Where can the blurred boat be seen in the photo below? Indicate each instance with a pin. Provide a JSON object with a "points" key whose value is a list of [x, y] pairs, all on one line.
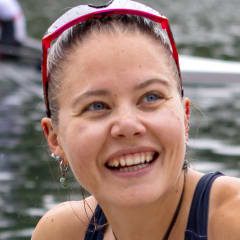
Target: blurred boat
{"points": [[29, 52], [206, 70]]}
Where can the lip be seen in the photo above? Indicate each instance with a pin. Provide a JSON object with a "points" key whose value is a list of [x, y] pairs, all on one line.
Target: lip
{"points": [[127, 151]]}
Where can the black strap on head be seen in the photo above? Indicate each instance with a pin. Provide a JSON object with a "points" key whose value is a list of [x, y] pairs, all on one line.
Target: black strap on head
{"points": [[101, 6]]}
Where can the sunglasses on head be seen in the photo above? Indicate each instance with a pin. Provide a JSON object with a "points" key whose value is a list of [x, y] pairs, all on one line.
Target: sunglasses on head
{"points": [[83, 13]]}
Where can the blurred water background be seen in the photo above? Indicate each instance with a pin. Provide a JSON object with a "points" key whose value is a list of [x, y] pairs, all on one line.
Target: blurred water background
{"points": [[29, 178]]}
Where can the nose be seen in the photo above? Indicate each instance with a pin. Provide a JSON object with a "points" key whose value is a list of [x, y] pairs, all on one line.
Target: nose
{"points": [[127, 125]]}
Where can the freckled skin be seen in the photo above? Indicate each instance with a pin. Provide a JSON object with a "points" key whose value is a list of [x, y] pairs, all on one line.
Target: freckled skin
{"points": [[87, 141]]}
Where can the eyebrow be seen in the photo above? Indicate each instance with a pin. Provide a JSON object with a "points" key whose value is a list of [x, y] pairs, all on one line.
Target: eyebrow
{"points": [[88, 94], [152, 81]]}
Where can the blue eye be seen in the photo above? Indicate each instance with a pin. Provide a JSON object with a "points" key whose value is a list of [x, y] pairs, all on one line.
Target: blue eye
{"points": [[151, 97], [97, 106]]}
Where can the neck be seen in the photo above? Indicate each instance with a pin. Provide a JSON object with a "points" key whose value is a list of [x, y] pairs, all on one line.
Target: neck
{"points": [[145, 222]]}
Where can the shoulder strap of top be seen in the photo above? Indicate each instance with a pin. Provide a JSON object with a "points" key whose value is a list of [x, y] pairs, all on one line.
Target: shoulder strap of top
{"points": [[96, 227], [197, 220], [198, 216]]}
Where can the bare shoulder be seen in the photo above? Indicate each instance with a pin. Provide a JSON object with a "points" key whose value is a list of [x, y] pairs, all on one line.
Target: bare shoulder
{"points": [[224, 214], [68, 220]]}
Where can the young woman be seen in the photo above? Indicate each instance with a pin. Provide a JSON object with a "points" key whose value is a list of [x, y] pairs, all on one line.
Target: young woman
{"points": [[117, 116]]}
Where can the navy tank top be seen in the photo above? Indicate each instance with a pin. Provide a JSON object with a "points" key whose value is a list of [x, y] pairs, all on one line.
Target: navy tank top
{"points": [[197, 220]]}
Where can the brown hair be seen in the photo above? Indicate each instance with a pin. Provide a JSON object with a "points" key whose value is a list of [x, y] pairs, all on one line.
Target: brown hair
{"points": [[77, 34]]}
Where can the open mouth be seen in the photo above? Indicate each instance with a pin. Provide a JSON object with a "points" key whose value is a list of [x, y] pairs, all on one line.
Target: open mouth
{"points": [[132, 162]]}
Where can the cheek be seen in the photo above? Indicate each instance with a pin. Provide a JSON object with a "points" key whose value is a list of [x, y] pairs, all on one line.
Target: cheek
{"points": [[85, 141], [169, 131], [169, 126], [82, 144]]}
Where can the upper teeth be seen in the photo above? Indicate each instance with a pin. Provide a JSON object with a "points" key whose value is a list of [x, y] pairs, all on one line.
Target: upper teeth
{"points": [[131, 159]]}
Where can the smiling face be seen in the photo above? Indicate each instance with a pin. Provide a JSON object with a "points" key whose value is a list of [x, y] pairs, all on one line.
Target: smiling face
{"points": [[121, 120]]}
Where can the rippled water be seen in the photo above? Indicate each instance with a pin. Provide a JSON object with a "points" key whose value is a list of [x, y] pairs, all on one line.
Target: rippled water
{"points": [[28, 177]]}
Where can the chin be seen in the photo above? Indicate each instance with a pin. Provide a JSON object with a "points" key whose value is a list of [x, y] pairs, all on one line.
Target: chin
{"points": [[137, 196]]}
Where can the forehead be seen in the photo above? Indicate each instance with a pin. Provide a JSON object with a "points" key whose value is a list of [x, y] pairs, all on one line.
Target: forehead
{"points": [[117, 58]]}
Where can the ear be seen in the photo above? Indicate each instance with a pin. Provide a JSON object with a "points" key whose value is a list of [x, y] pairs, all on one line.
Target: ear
{"points": [[51, 136], [187, 104]]}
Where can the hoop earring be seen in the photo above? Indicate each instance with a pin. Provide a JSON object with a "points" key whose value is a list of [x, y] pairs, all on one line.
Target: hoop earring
{"points": [[185, 164], [63, 169]]}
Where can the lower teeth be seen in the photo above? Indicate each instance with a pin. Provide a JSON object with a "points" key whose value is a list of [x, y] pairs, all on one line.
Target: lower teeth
{"points": [[133, 168]]}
